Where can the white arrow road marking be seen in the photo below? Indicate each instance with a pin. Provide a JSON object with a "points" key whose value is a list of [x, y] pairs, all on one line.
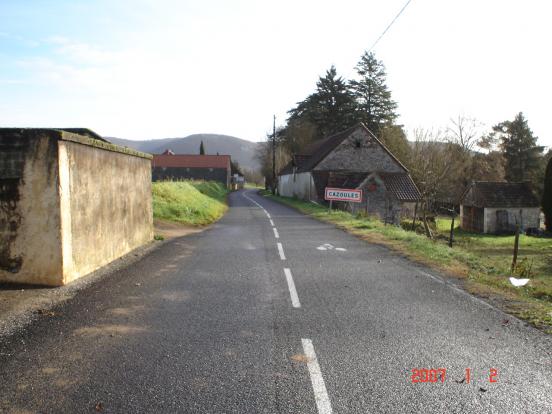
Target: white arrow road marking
{"points": [[320, 393], [292, 291], [281, 251]]}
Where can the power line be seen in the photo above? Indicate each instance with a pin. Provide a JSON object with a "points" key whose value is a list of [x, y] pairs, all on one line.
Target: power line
{"points": [[390, 24]]}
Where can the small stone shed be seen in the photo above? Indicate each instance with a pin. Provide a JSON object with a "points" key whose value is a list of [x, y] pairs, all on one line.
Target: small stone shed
{"points": [[70, 202], [171, 166], [353, 159], [497, 207]]}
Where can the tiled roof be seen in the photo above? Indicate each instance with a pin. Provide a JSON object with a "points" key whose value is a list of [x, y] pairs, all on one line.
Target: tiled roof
{"points": [[191, 161], [500, 195], [401, 185]]}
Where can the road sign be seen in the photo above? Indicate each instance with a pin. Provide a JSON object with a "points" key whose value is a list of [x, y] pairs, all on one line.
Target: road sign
{"points": [[343, 194]]}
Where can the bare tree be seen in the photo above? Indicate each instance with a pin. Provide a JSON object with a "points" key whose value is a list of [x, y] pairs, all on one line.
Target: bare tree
{"points": [[464, 132], [430, 163]]}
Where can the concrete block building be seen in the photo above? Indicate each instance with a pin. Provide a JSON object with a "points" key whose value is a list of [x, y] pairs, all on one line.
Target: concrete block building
{"points": [[70, 202]]}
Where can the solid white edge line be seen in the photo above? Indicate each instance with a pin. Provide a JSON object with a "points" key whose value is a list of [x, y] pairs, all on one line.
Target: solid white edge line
{"points": [[320, 393], [292, 291], [281, 251], [276, 232]]}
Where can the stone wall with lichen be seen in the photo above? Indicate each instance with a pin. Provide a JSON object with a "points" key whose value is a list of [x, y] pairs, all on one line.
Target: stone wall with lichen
{"points": [[359, 152]]}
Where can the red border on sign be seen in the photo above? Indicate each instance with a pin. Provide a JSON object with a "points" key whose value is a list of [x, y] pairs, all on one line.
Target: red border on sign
{"points": [[355, 200]]}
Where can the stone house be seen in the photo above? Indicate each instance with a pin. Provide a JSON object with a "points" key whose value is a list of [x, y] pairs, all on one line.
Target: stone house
{"points": [[498, 207], [353, 159], [171, 166]]}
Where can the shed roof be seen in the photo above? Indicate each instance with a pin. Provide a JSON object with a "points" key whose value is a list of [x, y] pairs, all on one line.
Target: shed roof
{"points": [[399, 184], [495, 194], [191, 161]]}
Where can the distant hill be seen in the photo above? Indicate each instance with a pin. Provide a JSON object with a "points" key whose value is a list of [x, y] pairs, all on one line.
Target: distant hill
{"points": [[239, 149]]}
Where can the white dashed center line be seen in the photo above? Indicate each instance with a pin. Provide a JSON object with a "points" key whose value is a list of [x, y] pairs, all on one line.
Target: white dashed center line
{"points": [[292, 291], [320, 394], [271, 223], [276, 232], [281, 251]]}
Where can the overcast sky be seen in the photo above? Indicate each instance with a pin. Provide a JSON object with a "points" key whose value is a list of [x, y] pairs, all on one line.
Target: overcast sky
{"points": [[142, 69]]}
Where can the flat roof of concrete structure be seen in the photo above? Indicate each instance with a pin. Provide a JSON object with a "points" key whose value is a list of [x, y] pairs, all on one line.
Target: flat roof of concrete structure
{"points": [[82, 136]]}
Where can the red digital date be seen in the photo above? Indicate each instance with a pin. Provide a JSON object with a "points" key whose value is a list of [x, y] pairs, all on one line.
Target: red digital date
{"points": [[428, 375], [431, 375]]}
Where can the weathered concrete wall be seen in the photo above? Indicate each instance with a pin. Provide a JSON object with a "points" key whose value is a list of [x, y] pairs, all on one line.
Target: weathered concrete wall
{"points": [[297, 185], [30, 238], [68, 205], [529, 218], [359, 152], [110, 206]]}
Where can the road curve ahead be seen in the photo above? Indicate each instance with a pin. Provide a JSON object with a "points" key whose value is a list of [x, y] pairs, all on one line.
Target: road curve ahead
{"points": [[270, 311]]}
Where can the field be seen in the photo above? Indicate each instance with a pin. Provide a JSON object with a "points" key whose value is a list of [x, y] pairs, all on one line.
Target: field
{"points": [[482, 262], [195, 203]]}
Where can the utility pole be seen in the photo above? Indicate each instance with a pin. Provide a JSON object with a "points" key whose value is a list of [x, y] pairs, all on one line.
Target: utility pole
{"points": [[274, 156]]}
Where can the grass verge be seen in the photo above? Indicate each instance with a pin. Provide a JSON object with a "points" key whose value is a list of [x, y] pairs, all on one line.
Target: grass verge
{"points": [[481, 261], [195, 203]]}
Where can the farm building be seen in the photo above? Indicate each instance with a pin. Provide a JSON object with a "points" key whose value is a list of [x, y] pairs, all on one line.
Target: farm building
{"points": [[171, 166], [498, 207], [352, 159]]}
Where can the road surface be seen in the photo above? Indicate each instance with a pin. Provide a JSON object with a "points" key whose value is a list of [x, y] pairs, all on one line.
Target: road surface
{"points": [[269, 311]]}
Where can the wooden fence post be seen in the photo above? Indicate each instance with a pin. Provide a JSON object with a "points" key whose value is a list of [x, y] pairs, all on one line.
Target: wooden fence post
{"points": [[516, 248]]}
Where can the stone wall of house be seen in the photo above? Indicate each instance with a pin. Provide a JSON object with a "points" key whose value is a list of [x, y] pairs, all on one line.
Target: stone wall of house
{"points": [[529, 218], [69, 204], [359, 152], [377, 201], [297, 185]]}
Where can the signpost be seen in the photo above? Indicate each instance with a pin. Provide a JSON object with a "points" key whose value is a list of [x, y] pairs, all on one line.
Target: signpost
{"points": [[342, 194]]}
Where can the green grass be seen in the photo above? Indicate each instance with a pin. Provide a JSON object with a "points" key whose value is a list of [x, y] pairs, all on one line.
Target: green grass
{"points": [[194, 203], [483, 261]]}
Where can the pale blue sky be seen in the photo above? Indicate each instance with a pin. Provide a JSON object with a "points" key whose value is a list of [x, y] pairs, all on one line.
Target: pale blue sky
{"points": [[153, 68]]}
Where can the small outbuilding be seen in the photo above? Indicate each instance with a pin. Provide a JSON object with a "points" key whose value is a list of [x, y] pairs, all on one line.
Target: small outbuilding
{"points": [[171, 166], [70, 202], [352, 159], [498, 207]]}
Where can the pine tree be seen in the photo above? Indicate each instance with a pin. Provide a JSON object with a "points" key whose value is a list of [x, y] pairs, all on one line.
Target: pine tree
{"points": [[331, 108], [201, 149], [547, 196], [519, 148], [375, 106]]}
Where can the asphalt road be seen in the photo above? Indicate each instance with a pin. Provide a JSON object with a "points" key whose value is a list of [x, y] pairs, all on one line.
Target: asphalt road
{"points": [[214, 323]]}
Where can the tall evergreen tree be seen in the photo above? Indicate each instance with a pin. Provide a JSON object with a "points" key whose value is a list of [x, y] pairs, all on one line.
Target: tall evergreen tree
{"points": [[201, 149], [519, 148], [547, 196], [330, 109], [375, 106]]}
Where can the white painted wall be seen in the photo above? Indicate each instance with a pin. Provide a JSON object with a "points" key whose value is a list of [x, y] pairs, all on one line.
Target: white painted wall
{"points": [[530, 218], [297, 185]]}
